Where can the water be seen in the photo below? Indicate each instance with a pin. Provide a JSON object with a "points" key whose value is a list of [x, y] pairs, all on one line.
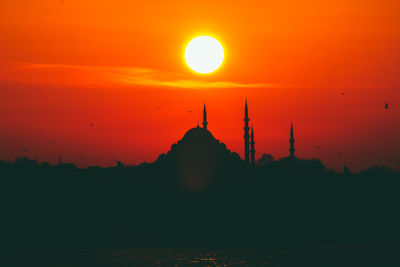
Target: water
{"points": [[324, 257]]}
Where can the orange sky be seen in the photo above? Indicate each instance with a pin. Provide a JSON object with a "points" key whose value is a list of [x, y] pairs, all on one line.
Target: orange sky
{"points": [[64, 64]]}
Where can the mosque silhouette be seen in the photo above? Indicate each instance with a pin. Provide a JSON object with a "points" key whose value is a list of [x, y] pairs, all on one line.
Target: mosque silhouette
{"points": [[199, 159], [202, 136]]}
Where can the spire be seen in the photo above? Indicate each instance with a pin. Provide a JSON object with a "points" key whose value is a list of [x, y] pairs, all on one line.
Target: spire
{"points": [[291, 141], [246, 133], [252, 151], [246, 111], [291, 130], [205, 117]]}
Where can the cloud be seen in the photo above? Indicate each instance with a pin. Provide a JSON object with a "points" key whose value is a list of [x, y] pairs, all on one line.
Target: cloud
{"points": [[133, 76]]}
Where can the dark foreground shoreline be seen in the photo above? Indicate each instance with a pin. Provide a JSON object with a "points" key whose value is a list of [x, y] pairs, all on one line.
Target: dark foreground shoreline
{"points": [[325, 256], [286, 203]]}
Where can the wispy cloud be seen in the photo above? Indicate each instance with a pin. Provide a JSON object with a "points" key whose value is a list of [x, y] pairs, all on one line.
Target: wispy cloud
{"points": [[138, 76]]}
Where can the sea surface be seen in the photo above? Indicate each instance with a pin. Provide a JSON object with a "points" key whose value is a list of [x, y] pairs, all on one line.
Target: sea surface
{"points": [[322, 256]]}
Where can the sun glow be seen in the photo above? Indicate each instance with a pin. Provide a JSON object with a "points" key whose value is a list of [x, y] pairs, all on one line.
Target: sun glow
{"points": [[204, 54]]}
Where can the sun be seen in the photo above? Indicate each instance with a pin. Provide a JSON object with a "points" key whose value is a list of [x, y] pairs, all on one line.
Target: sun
{"points": [[204, 54]]}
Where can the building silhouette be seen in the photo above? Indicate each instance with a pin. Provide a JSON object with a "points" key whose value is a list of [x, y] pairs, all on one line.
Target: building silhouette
{"points": [[64, 165]]}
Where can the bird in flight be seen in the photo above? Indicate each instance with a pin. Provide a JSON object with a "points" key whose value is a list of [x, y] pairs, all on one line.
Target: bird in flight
{"points": [[91, 124], [386, 105], [158, 108], [189, 111], [24, 150], [317, 147]]}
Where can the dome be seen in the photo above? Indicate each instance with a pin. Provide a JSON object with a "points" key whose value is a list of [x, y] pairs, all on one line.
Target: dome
{"points": [[198, 133], [197, 159]]}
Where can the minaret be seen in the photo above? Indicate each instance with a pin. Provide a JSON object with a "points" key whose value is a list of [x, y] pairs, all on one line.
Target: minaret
{"points": [[205, 117], [291, 141], [252, 151], [246, 133]]}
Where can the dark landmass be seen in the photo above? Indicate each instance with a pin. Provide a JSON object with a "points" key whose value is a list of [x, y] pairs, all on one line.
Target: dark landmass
{"points": [[199, 194]]}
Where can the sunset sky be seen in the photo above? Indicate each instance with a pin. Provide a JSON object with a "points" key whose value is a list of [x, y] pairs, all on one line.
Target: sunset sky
{"points": [[65, 64]]}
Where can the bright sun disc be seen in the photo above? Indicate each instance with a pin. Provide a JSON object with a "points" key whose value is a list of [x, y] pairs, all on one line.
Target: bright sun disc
{"points": [[204, 54]]}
